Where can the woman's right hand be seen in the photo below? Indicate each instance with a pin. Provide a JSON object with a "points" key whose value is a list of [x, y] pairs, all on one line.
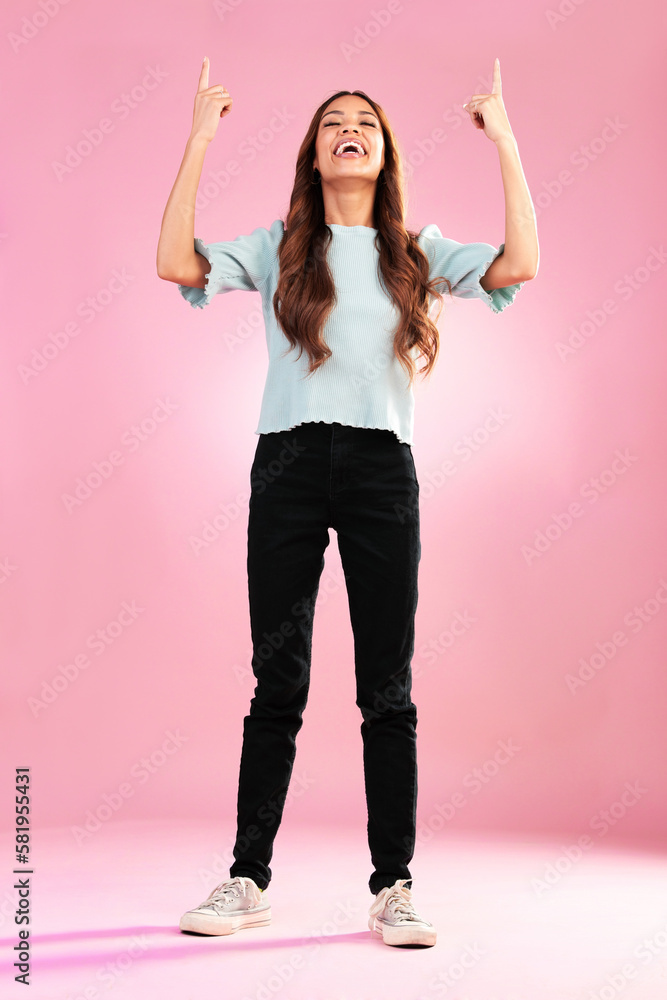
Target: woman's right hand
{"points": [[211, 104]]}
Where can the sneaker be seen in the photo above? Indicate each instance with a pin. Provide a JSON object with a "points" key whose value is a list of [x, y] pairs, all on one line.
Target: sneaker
{"points": [[236, 903], [394, 917]]}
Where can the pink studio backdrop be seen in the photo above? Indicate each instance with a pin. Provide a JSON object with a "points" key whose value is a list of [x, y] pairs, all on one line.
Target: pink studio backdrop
{"points": [[539, 669]]}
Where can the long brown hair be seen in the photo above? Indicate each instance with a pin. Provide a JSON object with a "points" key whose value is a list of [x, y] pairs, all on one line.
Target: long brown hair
{"points": [[305, 293]]}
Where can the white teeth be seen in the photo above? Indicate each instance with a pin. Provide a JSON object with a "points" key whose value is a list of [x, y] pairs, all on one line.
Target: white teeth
{"points": [[349, 142]]}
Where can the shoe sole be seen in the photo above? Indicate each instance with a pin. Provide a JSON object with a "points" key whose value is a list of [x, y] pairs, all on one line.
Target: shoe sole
{"points": [[202, 923], [404, 934]]}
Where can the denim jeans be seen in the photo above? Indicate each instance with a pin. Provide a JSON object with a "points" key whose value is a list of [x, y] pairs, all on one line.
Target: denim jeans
{"points": [[362, 483]]}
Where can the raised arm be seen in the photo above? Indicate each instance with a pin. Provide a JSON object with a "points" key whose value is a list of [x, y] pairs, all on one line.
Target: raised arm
{"points": [[519, 261], [177, 259]]}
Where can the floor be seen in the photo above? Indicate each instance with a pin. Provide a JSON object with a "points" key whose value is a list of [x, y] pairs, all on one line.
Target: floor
{"points": [[517, 919]]}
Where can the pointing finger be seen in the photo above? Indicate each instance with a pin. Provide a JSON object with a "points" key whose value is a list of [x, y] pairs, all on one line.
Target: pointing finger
{"points": [[203, 76], [497, 86]]}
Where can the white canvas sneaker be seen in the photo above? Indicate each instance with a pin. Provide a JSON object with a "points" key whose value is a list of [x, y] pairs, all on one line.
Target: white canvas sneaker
{"points": [[234, 904], [394, 917]]}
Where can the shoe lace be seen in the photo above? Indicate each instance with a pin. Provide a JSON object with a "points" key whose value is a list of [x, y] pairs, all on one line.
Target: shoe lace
{"points": [[399, 898], [227, 890]]}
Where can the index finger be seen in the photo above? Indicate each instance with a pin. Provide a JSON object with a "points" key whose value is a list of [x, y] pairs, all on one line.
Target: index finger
{"points": [[203, 76], [497, 86]]}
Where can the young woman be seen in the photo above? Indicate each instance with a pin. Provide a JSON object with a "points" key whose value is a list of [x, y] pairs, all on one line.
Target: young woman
{"points": [[346, 294]]}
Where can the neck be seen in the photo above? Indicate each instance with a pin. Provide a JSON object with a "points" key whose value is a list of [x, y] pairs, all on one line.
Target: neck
{"points": [[349, 208]]}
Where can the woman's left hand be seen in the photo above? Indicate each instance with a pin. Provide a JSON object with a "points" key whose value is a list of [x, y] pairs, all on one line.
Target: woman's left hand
{"points": [[487, 111]]}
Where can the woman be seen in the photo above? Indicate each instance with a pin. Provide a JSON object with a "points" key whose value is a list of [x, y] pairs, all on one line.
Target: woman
{"points": [[346, 293]]}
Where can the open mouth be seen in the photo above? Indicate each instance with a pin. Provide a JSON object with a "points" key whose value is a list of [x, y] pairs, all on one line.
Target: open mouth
{"points": [[349, 148]]}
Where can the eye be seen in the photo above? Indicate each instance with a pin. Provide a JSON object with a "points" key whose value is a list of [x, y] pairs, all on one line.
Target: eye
{"points": [[326, 124]]}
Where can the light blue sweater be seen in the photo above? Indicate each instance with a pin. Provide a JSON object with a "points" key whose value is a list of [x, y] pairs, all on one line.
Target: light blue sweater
{"points": [[362, 383]]}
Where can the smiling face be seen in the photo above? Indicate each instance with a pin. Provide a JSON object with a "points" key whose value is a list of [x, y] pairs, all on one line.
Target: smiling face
{"points": [[349, 119]]}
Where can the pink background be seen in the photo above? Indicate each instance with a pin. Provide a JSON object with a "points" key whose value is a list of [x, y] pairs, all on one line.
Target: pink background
{"points": [[182, 665]]}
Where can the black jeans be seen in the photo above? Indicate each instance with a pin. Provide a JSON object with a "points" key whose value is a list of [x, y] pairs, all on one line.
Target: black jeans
{"points": [[362, 483]]}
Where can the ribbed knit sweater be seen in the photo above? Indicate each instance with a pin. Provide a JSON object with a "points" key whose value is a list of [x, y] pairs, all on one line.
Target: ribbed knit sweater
{"points": [[362, 384]]}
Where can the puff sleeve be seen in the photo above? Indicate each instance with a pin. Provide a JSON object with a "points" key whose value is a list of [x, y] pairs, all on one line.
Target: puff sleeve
{"points": [[463, 264], [244, 264]]}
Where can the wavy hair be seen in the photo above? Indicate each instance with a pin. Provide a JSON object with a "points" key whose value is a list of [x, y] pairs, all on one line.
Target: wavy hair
{"points": [[306, 293]]}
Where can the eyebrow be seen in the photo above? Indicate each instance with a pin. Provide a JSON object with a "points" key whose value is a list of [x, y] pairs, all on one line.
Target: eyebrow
{"points": [[342, 113]]}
